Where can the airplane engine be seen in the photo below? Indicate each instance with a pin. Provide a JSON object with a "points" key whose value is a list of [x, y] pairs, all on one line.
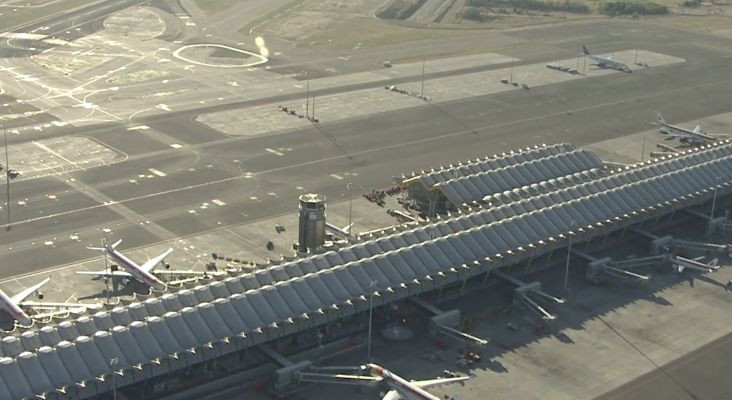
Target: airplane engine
{"points": [[165, 265], [39, 295]]}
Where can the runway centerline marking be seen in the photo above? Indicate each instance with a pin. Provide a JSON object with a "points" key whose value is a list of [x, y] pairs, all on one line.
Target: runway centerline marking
{"points": [[337, 176], [156, 172], [275, 152]]}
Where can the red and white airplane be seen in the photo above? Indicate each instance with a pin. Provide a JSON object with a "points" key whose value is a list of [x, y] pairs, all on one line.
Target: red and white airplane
{"points": [[14, 305], [684, 135], [680, 264], [401, 389], [142, 273]]}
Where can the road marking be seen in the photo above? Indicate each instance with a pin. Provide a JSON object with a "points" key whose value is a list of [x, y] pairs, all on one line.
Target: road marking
{"points": [[156, 172], [337, 176], [139, 127], [275, 152], [48, 149], [218, 202]]}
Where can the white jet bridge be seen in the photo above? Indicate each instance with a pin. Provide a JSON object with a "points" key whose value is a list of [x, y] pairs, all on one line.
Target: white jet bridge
{"points": [[530, 295]]}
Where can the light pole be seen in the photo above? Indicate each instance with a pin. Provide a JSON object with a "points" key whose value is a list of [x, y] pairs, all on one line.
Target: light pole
{"points": [[513, 53], [112, 363], [350, 207], [424, 64], [569, 255], [714, 199], [643, 150], [7, 171], [371, 313]]}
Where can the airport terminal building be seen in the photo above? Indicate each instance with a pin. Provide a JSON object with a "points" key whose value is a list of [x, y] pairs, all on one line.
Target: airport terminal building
{"points": [[489, 214]]}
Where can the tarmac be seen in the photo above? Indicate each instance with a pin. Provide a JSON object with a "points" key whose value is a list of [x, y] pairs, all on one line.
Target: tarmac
{"points": [[157, 179]]}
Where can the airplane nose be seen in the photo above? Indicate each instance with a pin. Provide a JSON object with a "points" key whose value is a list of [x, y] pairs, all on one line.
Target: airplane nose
{"points": [[160, 287], [25, 321]]}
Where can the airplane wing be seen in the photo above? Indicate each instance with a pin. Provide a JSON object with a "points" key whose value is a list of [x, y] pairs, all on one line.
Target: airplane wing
{"points": [[120, 274], [438, 382], [148, 266], [392, 395], [18, 298]]}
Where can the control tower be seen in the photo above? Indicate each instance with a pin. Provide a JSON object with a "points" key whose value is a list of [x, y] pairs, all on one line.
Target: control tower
{"points": [[311, 226]]}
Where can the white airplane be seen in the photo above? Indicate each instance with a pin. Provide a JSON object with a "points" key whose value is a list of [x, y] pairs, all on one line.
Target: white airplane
{"points": [[343, 233], [401, 389], [603, 62], [142, 273], [14, 305], [682, 134], [680, 264]]}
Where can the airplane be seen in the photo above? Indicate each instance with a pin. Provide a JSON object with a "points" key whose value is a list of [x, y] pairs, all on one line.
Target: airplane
{"points": [[343, 233], [680, 264], [606, 62], [682, 134], [142, 273], [401, 389], [13, 305]]}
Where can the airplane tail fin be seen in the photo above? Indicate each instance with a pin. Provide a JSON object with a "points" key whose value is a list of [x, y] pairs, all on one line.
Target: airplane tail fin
{"points": [[713, 263], [584, 50], [113, 245], [347, 229], [660, 118]]}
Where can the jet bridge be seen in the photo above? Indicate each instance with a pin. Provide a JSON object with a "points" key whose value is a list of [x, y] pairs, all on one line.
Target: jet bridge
{"points": [[601, 270], [444, 324], [343, 378], [708, 248], [530, 295], [178, 277]]}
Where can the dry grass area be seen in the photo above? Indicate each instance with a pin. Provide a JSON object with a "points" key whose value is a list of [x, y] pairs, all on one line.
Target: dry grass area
{"points": [[212, 7], [343, 25]]}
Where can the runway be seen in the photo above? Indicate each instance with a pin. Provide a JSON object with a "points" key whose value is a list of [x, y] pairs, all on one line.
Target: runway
{"points": [[701, 374], [244, 174]]}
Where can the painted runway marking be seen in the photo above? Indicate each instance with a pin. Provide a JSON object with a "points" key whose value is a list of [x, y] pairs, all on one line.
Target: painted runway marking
{"points": [[337, 176], [48, 149], [218, 202], [275, 152], [139, 127], [156, 172], [176, 146]]}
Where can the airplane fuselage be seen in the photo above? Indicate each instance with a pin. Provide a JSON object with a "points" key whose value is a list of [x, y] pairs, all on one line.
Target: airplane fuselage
{"points": [[14, 310], [406, 390], [690, 135], [604, 62], [133, 269]]}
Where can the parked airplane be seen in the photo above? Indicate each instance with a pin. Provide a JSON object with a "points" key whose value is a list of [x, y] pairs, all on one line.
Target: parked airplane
{"points": [[142, 273], [14, 305], [343, 233], [603, 62], [682, 134], [401, 389], [680, 264]]}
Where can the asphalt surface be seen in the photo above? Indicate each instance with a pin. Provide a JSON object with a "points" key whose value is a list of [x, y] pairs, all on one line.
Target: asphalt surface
{"points": [[213, 166], [700, 375]]}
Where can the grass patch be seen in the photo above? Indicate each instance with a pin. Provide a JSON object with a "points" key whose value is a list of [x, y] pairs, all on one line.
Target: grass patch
{"points": [[10, 18], [370, 32], [489, 10], [213, 7], [273, 18]]}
